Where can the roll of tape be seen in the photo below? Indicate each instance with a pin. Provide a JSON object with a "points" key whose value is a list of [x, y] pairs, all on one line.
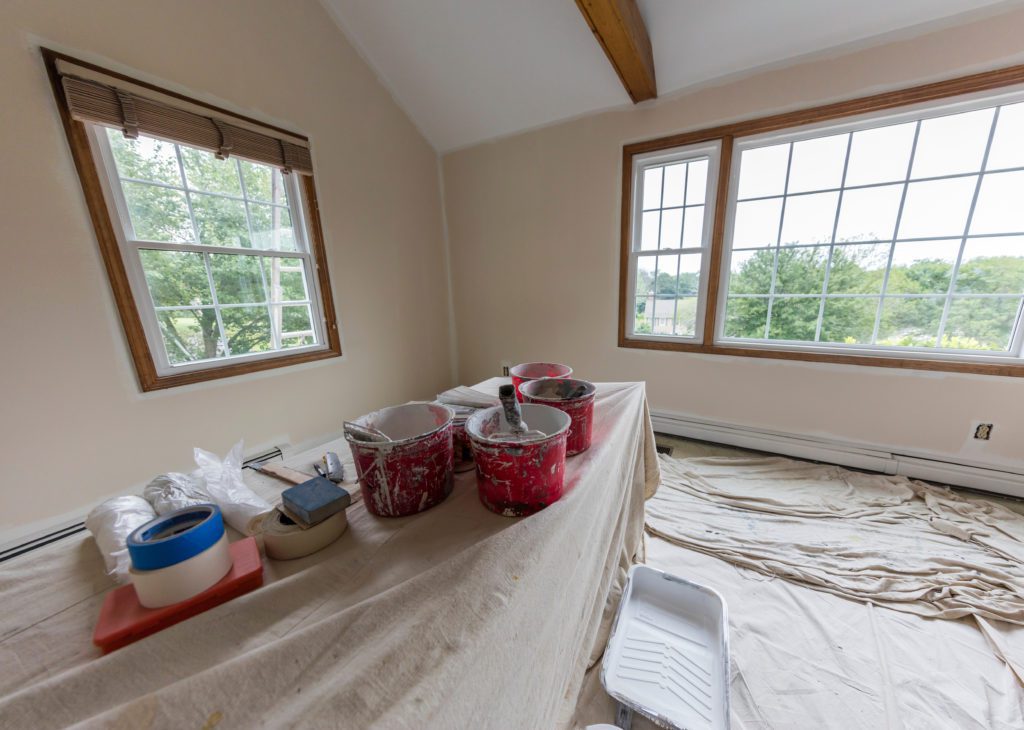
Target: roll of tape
{"points": [[285, 540], [181, 581], [175, 537]]}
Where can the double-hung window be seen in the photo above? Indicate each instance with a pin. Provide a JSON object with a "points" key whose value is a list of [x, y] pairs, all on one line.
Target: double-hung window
{"points": [[893, 237], [209, 228]]}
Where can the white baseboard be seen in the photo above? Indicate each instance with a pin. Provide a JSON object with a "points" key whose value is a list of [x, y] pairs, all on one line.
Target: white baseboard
{"points": [[997, 479]]}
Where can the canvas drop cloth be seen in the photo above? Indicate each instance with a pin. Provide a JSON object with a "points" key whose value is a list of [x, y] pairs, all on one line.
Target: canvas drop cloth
{"points": [[453, 618]]}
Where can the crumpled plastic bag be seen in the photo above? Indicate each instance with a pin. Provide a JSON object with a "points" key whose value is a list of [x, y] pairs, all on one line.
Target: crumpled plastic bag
{"points": [[242, 508], [110, 524], [172, 491]]}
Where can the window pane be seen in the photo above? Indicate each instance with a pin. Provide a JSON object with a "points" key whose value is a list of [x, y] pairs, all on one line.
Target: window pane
{"points": [[751, 271], [1008, 143], [880, 155], [696, 185], [858, 269], [650, 230], [981, 323], [644, 275], [190, 334], [175, 278], [745, 317], [237, 279], [794, 319], [1000, 207], [247, 329], [869, 214], [675, 185], [263, 183], [801, 270], [158, 214], [693, 227], [664, 316], [221, 221], [809, 218], [850, 321], [937, 208], [763, 171], [992, 266], [671, 228], [644, 309], [144, 158], [686, 317], [652, 188], [286, 279], [205, 172], [817, 163], [295, 320], [665, 279], [952, 144], [911, 322], [922, 267], [757, 223]]}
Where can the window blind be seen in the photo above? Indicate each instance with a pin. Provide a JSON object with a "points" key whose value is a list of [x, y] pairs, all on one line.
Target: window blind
{"points": [[134, 114]]}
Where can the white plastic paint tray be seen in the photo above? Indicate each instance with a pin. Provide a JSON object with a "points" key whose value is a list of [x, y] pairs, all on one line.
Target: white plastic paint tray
{"points": [[668, 655]]}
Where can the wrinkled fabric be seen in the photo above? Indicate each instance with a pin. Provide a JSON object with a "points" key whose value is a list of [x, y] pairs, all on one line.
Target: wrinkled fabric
{"points": [[889, 540], [453, 618]]}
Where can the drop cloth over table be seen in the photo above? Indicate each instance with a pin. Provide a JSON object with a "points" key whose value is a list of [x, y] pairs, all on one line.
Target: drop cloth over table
{"points": [[456, 617]]}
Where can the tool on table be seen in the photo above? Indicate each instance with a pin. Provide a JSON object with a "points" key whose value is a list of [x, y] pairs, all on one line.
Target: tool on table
{"points": [[518, 430], [359, 432], [333, 468], [124, 620]]}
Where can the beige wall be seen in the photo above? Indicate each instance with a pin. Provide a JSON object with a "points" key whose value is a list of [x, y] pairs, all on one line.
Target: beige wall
{"points": [[534, 223], [74, 425]]}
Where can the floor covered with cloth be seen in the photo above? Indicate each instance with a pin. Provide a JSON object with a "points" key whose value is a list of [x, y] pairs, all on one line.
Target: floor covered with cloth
{"points": [[855, 600]]}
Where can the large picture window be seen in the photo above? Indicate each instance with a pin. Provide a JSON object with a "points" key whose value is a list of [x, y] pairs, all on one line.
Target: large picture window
{"points": [[208, 225], [893, 237]]}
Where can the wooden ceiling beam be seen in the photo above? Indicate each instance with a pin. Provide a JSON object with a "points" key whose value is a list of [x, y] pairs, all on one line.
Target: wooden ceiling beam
{"points": [[619, 28]]}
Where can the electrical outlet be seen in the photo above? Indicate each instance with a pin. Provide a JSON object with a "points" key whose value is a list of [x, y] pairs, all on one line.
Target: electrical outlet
{"points": [[983, 431], [505, 365]]}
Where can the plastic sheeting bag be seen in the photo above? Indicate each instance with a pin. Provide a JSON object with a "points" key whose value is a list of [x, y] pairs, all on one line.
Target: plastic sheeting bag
{"points": [[169, 492], [242, 507], [110, 524]]}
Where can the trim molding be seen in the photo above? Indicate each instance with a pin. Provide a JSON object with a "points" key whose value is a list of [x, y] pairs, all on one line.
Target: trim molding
{"points": [[870, 457]]}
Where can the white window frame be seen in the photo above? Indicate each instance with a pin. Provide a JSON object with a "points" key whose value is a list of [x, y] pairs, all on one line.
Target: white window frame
{"points": [[129, 248], [711, 151], [917, 112]]}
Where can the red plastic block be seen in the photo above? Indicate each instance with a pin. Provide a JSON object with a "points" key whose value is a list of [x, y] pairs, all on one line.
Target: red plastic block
{"points": [[124, 620]]}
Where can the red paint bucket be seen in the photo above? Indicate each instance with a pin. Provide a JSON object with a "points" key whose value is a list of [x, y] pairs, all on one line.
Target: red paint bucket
{"points": [[413, 471], [528, 371], [517, 478], [574, 397]]}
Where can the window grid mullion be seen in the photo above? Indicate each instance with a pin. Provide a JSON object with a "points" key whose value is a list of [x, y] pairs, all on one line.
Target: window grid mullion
{"points": [[832, 241], [657, 259], [216, 305], [275, 335], [895, 235], [188, 197], [778, 244], [967, 230], [679, 257]]}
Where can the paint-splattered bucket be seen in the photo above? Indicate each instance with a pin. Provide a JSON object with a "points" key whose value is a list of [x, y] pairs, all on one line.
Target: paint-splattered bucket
{"points": [[528, 371], [517, 478], [575, 397], [413, 471]]}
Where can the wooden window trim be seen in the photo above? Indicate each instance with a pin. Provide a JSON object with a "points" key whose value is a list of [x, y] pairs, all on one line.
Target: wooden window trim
{"points": [[131, 321], [728, 133]]}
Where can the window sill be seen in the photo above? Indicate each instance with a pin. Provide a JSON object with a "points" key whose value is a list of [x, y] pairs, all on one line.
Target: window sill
{"points": [[1004, 366], [150, 382]]}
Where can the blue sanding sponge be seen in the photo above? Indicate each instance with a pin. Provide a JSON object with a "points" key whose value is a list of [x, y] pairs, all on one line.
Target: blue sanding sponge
{"points": [[316, 500]]}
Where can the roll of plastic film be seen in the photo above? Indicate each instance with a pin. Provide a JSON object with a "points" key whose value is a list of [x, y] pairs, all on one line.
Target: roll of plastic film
{"points": [[181, 581], [175, 537], [285, 540]]}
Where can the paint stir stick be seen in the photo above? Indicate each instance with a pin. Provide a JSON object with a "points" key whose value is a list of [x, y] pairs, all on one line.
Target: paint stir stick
{"points": [[514, 416]]}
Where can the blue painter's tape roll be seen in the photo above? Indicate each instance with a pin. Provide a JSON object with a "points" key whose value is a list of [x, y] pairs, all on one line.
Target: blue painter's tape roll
{"points": [[175, 537]]}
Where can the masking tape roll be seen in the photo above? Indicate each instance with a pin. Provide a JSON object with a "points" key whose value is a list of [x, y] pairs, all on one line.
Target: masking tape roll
{"points": [[181, 581], [175, 537], [285, 540]]}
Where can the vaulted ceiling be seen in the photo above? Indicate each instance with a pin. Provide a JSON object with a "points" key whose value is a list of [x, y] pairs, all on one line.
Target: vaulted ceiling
{"points": [[471, 70]]}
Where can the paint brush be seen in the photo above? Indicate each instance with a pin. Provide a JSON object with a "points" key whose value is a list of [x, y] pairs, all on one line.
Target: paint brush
{"points": [[365, 433], [514, 416]]}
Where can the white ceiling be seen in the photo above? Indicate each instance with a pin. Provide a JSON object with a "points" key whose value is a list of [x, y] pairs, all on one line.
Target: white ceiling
{"points": [[472, 70]]}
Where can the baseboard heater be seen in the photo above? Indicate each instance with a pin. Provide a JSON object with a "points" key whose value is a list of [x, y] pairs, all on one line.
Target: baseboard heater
{"points": [[858, 456]]}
